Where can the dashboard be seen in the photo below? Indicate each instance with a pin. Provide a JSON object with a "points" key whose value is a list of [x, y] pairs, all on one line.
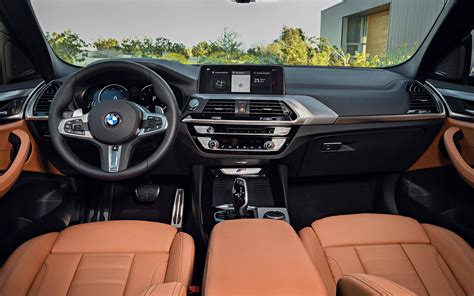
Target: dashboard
{"points": [[308, 118]]}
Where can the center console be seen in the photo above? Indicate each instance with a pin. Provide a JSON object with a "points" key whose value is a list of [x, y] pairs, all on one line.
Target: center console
{"points": [[243, 193], [243, 110], [241, 113], [259, 257]]}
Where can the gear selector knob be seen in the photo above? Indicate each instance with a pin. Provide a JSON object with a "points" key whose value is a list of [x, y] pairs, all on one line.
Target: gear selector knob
{"points": [[240, 196]]}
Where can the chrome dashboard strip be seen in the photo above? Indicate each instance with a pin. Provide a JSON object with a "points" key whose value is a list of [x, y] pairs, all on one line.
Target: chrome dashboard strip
{"points": [[388, 118], [240, 122]]}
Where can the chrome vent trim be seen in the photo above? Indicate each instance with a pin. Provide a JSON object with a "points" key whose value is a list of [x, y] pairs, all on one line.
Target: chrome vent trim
{"points": [[421, 101], [45, 99], [42, 99]]}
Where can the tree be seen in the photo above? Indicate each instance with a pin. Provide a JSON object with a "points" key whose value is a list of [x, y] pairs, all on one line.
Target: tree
{"points": [[177, 57], [323, 53], [131, 46], [68, 46], [106, 44], [202, 49], [228, 42], [292, 47]]}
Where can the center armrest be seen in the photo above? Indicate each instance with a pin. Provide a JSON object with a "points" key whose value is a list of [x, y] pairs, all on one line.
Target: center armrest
{"points": [[259, 257]]}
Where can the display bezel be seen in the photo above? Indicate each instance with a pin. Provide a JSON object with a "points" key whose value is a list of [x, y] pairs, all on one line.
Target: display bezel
{"points": [[278, 79]]}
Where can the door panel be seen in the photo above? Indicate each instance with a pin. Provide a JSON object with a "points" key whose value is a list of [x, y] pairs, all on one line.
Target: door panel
{"points": [[20, 140], [435, 157], [461, 164], [436, 190], [34, 163]]}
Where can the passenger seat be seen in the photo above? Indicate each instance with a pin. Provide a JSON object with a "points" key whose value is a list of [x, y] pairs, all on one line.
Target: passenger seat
{"points": [[374, 254]]}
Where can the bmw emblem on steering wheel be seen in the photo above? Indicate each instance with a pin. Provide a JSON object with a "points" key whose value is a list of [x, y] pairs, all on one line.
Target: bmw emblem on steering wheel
{"points": [[112, 119]]}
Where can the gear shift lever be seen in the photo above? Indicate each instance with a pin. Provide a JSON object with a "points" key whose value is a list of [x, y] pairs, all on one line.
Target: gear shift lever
{"points": [[240, 196]]}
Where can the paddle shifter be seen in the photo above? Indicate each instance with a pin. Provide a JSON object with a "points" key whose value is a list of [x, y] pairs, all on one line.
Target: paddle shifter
{"points": [[240, 197]]}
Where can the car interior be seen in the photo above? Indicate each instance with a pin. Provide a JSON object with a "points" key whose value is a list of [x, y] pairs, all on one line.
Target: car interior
{"points": [[135, 174]]}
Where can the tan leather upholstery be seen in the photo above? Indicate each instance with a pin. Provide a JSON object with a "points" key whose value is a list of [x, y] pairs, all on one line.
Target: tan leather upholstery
{"points": [[460, 164], [9, 178], [357, 284], [433, 156], [425, 259], [259, 257], [103, 258], [34, 162]]}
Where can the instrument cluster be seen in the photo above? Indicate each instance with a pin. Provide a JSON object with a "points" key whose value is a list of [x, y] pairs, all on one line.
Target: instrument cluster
{"points": [[142, 94]]}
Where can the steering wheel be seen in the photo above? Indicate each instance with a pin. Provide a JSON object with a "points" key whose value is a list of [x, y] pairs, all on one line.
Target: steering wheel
{"points": [[114, 127]]}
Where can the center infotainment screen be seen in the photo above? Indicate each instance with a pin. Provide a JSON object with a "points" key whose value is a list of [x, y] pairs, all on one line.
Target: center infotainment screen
{"points": [[239, 79]]}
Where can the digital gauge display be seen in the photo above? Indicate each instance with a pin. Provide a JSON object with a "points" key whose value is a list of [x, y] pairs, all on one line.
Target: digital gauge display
{"points": [[113, 92]]}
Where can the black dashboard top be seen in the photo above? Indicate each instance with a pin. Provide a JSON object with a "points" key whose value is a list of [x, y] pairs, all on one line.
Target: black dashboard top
{"points": [[347, 91]]}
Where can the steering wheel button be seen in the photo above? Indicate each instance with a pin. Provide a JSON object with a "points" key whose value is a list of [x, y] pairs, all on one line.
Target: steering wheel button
{"points": [[77, 127]]}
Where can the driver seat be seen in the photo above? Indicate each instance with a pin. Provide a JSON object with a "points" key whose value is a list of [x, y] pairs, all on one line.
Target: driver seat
{"points": [[102, 258]]}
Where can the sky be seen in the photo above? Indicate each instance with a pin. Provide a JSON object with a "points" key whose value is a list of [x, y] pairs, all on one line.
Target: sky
{"points": [[185, 21]]}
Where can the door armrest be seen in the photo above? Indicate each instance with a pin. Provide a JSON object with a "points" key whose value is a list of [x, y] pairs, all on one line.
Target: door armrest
{"points": [[460, 164], [9, 178]]}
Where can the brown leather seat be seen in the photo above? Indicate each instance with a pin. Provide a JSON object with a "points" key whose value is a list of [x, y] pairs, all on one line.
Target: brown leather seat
{"points": [[386, 252], [103, 258]]}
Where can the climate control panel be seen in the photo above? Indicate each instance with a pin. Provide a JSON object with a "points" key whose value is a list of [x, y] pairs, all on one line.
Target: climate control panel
{"points": [[242, 144], [245, 125]]}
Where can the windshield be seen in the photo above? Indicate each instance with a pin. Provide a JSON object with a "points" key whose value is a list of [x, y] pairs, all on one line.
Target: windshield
{"points": [[354, 33]]}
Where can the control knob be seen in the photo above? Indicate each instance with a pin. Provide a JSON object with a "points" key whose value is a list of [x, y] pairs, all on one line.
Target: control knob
{"points": [[274, 215], [213, 144], [269, 145], [193, 104]]}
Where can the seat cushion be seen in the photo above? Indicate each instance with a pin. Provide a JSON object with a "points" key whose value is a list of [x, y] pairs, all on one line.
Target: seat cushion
{"points": [[425, 259], [103, 258]]}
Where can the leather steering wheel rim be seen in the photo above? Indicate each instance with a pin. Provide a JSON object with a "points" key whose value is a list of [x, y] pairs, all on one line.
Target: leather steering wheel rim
{"points": [[65, 95]]}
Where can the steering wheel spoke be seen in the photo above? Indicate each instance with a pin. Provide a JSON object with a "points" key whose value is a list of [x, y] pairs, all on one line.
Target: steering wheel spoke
{"points": [[114, 158], [152, 124], [76, 126]]}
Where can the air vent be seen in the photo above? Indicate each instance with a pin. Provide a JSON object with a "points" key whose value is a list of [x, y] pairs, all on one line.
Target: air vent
{"points": [[269, 109], [256, 110], [216, 108], [421, 101], [45, 99]]}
